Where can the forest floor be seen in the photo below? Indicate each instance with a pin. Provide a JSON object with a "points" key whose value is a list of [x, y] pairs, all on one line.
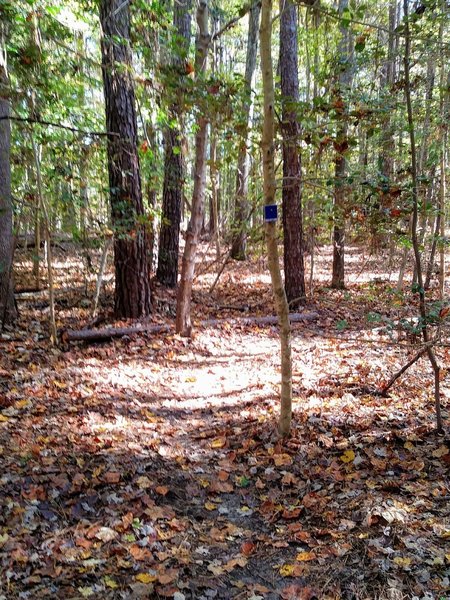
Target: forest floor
{"points": [[149, 467]]}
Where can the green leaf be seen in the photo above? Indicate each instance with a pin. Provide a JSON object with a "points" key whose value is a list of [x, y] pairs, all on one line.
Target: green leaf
{"points": [[342, 324]]}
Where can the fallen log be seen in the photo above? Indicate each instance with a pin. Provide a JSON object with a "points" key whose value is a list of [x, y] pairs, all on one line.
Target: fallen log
{"points": [[107, 333]]}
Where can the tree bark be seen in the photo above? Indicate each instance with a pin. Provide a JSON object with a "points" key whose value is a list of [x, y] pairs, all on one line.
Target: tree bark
{"points": [[415, 216], [132, 281], [7, 306], [294, 270], [169, 236], [267, 146], [183, 318], [344, 81], [239, 243]]}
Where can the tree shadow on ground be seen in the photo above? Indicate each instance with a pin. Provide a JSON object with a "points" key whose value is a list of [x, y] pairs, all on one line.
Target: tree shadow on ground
{"points": [[128, 472]]}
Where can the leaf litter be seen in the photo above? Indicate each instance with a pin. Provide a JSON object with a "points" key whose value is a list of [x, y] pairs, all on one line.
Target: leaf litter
{"points": [[148, 467]]}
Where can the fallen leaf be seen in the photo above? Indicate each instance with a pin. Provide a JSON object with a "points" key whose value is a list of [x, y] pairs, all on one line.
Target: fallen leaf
{"points": [[146, 577], [111, 583], [305, 556], [401, 561], [441, 451], [86, 591], [298, 592], [282, 460], [143, 482], [111, 477], [219, 442], [248, 548], [287, 570], [168, 576], [106, 534], [348, 456]]}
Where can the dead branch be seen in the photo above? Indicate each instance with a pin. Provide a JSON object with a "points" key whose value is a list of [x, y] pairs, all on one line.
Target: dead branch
{"points": [[107, 333], [405, 367]]}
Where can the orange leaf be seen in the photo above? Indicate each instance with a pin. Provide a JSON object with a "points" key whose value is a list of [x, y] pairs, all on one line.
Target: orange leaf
{"points": [[161, 490], [305, 556], [127, 520], [291, 513], [248, 548]]}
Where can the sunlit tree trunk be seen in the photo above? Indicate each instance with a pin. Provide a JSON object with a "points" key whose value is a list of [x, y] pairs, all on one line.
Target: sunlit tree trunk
{"points": [[214, 203], [183, 318], [169, 237], [7, 307], [239, 244], [268, 149], [294, 271], [132, 281]]}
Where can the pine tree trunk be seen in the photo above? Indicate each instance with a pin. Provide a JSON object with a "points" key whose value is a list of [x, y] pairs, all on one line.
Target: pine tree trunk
{"points": [[239, 243], [132, 282], [7, 307], [294, 271], [169, 237], [183, 318], [267, 147]]}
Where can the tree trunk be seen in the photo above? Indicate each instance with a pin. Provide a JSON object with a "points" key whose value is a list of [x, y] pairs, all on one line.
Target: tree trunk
{"points": [[444, 86], [132, 281], [415, 217], [214, 203], [7, 306], [183, 318], [169, 237], [267, 146], [239, 244], [294, 271], [344, 81]]}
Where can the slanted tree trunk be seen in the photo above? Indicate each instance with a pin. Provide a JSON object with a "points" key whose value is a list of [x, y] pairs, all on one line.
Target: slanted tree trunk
{"points": [[415, 218], [267, 146], [183, 318], [132, 281], [169, 236], [343, 83], [294, 271], [239, 243], [7, 307]]}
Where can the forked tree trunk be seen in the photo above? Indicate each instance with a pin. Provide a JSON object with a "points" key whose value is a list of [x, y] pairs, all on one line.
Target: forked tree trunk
{"points": [[7, 307], [132, 280], [294, 271], [169, 236], [183, 318], [268, 149], [239, 243]]}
